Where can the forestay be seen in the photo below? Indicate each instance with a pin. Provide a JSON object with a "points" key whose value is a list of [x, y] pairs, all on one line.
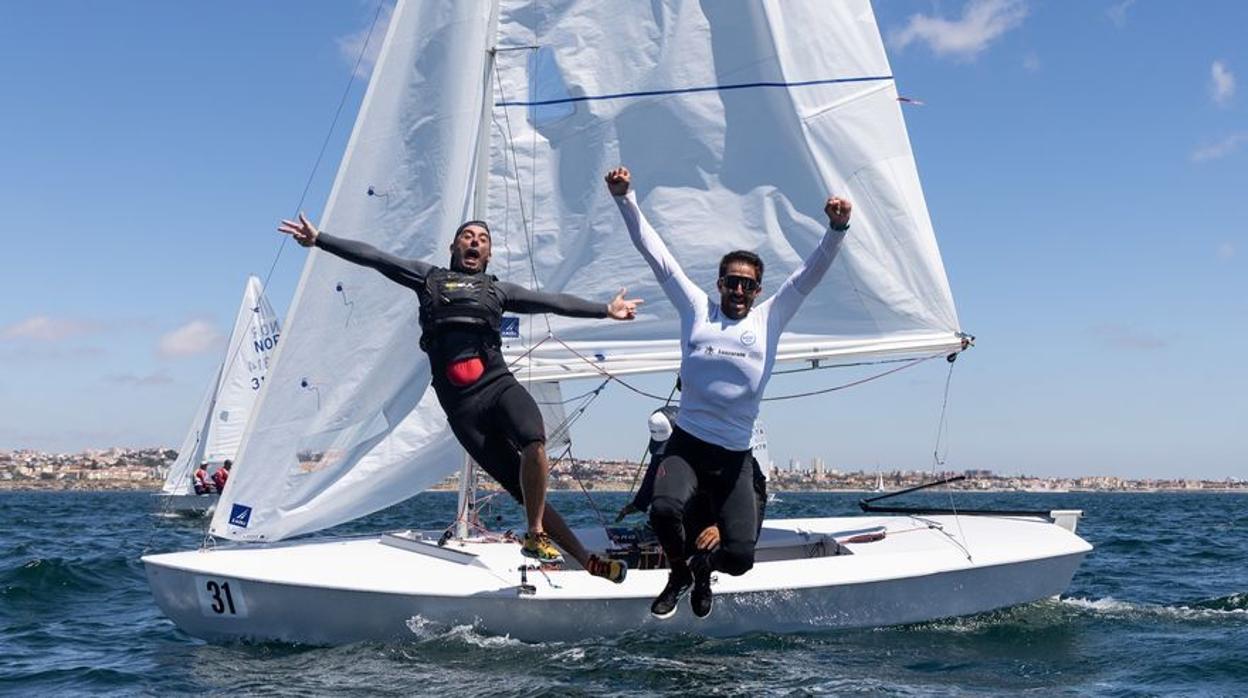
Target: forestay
{"points": [[737, 120], [223, 412]]}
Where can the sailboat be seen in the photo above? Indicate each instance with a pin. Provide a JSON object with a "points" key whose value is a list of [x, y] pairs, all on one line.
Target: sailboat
{"points": [[217, 429], [737, 119]]}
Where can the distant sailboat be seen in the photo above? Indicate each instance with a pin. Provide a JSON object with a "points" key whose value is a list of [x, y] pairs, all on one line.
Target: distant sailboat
{"points": [[879, 481], [227, 403], [737, 119]]}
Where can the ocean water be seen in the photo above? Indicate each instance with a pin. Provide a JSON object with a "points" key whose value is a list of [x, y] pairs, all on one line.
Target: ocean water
{"points": [[1159, 608]]}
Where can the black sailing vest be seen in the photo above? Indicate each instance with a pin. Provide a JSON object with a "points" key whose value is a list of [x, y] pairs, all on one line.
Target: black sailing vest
{"points": [[463, 301]]}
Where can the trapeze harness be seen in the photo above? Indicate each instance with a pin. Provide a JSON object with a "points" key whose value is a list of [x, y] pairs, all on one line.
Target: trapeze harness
{"points": [[468, 306]]}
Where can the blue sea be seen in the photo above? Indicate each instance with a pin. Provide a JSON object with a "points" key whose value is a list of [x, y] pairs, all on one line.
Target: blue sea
{"points": [[1159, 608]]}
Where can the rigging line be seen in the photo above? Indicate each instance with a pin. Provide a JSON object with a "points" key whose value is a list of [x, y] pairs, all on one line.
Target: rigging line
{"points": [[567, 453], [632, 487], [909, 363], [525, 223], [942, 428], [587, 393], [605, 373], [692, 90], [307, 185], [824, 368]]}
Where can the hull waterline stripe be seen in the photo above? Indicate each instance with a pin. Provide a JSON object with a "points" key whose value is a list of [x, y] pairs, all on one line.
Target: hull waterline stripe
{"points": [[688, 90]]}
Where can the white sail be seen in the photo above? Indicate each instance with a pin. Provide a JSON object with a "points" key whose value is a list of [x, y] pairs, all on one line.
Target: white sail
{"points": [[228, 400], [253, 341], [191, 453], [737, 120], [320, 449]]}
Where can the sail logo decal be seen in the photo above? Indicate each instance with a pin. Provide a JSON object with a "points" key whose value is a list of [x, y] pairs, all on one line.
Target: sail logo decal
{"points": [[748, 338], [510, 327], [240, 515]]}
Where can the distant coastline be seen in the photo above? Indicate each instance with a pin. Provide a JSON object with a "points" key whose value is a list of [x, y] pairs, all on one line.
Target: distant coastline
{"points": [[144, 470]]}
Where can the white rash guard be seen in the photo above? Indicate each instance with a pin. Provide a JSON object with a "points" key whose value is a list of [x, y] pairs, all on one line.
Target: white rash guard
{"points": [[725, 364]]}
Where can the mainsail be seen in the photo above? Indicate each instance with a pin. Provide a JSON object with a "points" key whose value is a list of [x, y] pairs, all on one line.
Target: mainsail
{"points": [[737, 120], [227, 403]]}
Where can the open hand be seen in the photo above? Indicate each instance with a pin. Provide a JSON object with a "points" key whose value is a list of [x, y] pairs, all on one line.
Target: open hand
{"points": [[838, 210], [708, 538], [621, 308], [618, 181], [302, 230]]}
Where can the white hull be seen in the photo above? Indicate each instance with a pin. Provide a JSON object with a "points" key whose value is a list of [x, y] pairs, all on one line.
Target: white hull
{"points": [[381, 588], [187, 504]]}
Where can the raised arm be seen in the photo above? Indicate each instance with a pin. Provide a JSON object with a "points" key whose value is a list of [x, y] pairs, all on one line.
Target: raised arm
{"points": [[684, 294], [522, 300], [806, 277], [408, 272]]}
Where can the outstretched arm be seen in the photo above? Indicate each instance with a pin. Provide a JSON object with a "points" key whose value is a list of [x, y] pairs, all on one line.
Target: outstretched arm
{"points": [[805, 278], [682, 292], [408, 272], [522, 300]]}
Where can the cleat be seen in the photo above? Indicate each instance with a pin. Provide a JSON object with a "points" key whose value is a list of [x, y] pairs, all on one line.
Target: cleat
{"points": [[701, 600], [539, 547], [613, 570], [665, 603]]}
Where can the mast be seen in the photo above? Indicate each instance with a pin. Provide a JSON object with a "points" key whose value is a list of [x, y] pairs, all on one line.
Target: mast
{"points": [[480, 194]]}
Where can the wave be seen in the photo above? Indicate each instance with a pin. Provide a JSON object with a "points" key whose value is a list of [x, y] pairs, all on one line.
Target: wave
{"points": [[45, 577], [1230, 606]]}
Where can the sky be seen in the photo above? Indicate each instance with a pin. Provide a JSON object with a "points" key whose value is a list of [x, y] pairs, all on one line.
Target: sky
{"points": [[1085, 165]]}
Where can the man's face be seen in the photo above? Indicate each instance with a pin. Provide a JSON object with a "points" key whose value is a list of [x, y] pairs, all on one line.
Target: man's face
{"points": [[470, 250], [738, 288]]}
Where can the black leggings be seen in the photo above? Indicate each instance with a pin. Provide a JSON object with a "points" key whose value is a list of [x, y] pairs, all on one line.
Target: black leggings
{"points": [[691, 467], [493, 425]]}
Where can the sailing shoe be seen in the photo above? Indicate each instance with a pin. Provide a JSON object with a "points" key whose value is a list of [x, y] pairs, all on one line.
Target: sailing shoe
{"points": [[614, 570], [539, 547], [701, 599], [678, 582]]}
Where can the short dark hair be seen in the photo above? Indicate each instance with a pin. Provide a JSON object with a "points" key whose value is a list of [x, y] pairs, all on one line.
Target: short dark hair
{"points": [[227, 464], [741, 256]]}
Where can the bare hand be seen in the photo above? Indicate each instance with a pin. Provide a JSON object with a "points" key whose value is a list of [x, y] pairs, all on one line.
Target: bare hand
{"points": [[302, 230], [838, 210], [708, 538], [618, 181], [621, 308]]}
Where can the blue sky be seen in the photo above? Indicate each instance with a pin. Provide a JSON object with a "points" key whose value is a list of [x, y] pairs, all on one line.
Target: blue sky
{"points": [[1085, 165]]}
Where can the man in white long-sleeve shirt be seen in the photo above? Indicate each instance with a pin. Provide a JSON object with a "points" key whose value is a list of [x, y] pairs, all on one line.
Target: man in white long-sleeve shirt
{"points": [[728, 348]]}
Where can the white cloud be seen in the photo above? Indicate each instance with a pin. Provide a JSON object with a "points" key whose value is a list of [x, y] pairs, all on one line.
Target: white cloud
{"points": [[350, 46], [1117, 336], [195, 337], [981, 23], [1118, 12], [1226, 250], [1221, 149], [140, 381], [42, 328], [1223, 86]]}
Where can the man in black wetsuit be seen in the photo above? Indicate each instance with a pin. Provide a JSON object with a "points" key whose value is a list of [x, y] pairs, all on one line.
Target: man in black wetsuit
{"points": [[493, 416]]}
